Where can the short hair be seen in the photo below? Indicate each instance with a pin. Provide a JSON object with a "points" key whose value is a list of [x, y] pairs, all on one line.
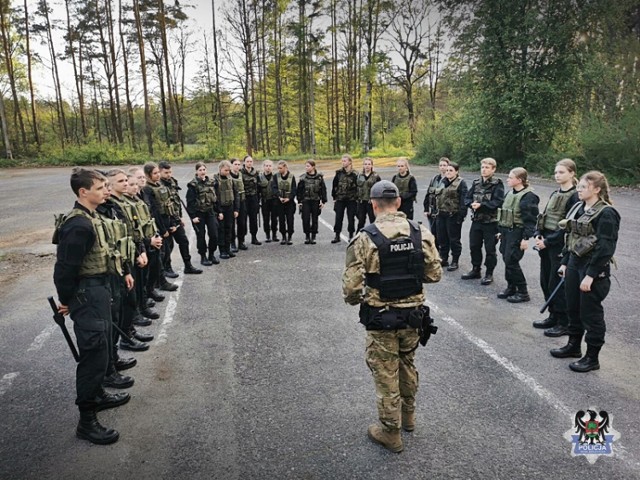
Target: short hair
{"points": [[149, 167], [385, 203], [282, 163], [264, 162], [133, 170], [164, 165], [489, 161], [116, 171], [84, 178], [200, 164]]}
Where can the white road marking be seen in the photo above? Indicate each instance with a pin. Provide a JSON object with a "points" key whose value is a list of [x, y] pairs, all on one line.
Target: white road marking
{"points": [[42, 337], [6, 381], [330, 227]]}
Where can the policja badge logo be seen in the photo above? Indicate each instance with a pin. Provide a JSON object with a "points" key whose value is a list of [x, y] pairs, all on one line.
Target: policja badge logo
{"points": [[592, 435]]}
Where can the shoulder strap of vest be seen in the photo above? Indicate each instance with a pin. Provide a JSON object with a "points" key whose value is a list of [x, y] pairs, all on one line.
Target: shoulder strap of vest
{"points": [[571, 215], [375, 235], [415, 235]]}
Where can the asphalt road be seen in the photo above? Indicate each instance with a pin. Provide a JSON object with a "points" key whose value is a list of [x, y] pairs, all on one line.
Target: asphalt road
{"points": [[258, 369]]}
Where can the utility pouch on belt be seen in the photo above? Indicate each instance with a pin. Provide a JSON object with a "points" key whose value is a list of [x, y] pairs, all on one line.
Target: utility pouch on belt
{"points": [[384, 318], [426, 328]]}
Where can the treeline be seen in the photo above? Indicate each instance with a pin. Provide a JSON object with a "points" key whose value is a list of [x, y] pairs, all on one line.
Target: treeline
{"points": [[524, 81]]}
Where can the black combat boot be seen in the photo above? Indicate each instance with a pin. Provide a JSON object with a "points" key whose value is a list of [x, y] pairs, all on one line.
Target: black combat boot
{"points": [[151, 302], [289, 242], [307, 239], [117, 380], [268, 239], [90, 429], [444, 262], [205, 261], [141, 336], [188, 268], [284, 239], [487, 279], [111, 400], [155, 295], [255, 241], [588, 362], [133, 345], [168, 287], [471, 274], [557, 331], [507, 292], [224, 255], [213, 259], [274, 237], [336, 239], [522, 295], [546, 323], [233, 248], [453, 266], [124, 363], [146, 313], [242, 245], [313, 239], [168, 272], [571, 349]]}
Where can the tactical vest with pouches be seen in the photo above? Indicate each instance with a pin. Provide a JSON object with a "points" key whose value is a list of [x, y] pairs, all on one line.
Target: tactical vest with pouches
{"points": [[264, 184], [401, 263], [554, 211], [284, 185], [205, 194], [509, 215], [365, 184], [581, 238], [312, 185], [250, 181], [225, 190], [448, 198]]}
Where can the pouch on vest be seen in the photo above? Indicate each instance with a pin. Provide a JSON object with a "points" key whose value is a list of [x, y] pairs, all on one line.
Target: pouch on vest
{"points": [[584, 245], [59, 220]]}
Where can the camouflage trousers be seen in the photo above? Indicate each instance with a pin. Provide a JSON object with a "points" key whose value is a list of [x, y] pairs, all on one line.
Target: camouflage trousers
{"points": [[390, 356]]}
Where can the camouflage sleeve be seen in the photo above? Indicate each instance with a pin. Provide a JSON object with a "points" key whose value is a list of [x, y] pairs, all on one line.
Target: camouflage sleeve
{"points": [[432, 266], [354, 271]]}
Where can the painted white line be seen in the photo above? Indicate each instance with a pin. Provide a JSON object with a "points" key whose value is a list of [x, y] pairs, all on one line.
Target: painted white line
{"points": [[330, 227], [172, 304], [6, 381], [38, 342]]}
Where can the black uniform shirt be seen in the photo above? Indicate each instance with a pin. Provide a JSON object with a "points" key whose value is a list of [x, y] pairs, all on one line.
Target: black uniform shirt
{"points": [[529, 213], [75, 239]]}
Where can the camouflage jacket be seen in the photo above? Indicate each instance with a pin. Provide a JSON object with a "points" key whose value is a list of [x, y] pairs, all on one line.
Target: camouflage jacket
{"points": [[362, 257]]}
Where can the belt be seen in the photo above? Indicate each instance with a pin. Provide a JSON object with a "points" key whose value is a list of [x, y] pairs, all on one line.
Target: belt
{"points": [[95, 281]]}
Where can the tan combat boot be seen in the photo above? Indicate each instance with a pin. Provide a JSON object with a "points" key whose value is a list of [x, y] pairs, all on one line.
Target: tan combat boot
{"points": [[408, 421], [389, 439]]}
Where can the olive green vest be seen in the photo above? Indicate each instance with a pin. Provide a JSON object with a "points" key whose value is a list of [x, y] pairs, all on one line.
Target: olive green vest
{"points": [[225, 190], [581, 238], [145, 223], [96, 261], [509, 215], [554, 211], [402, 182], [284, 185], [174, 196], [364, 185], [120, 243], [239, 186], [347, 188], [129, 215], [311, 185], [205, 194], [264, 184], [250, 180], [448, 198], [484, 191], [162, 195]]}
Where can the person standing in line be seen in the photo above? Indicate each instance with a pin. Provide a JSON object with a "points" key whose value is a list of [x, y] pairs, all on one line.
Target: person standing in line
{"points": [[283, 186], [228, 207], [484, 198], [366, 179], [517, 220], [268, 202], [201, 207], [430, 202], [450, 197], [592, 227], [312, 195], [385, 267], [252, 198], [81, 278], [407, 186], [344, 192], [550, 244], [240, 224]]}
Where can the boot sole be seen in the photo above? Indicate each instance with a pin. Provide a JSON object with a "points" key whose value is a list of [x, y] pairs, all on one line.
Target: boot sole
{"points": [[107, 406], [391, 449], [584, 370], [566, 355], [98, 441]]}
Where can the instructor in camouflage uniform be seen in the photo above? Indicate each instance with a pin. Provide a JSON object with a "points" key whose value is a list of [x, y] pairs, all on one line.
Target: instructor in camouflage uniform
{"points": [[386, 265]]}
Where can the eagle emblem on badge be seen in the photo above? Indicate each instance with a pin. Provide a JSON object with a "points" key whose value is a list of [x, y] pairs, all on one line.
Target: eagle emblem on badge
{"points": [[592, 434]]}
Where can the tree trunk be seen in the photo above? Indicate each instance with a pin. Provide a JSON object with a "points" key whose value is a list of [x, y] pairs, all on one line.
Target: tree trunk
{"points": [[114, 69], [143, 69], [125, 55], [5, 132], [165, 55], [71, 37], [218, 99], [36, 133]]}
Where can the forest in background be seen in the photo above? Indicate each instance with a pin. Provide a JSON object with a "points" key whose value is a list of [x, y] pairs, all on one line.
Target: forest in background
{"points": [[525, 81]]}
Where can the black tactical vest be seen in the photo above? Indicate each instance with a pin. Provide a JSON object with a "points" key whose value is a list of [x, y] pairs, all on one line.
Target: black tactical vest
{"points": [[205, 194], [483, 190], [312, 185], [264, 183], [347, 188], [364, 185], [401, 263]]}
